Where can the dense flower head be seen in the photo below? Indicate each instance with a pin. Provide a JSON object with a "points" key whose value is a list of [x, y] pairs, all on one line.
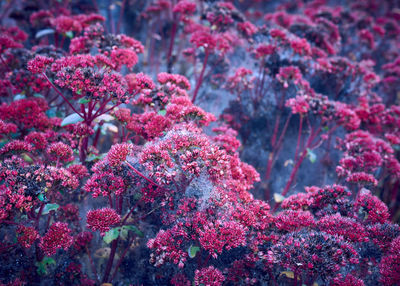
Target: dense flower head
{"points": [[85, 75], [298, 104], [138, 82], [182, 109], [226, 138], [317, 253], [185, 7], [38, 140], [104, 184], [64, 24], [371, 208], [78, 170], [175, 79], [290, 220], [58, 236], [219, 235], [317, 198], [118, 153], [7, 43], [264, 50], [240, 79], [363, 155], [102, 219], [390, 264], [208, 276], [286, 74], [124, 57], [39, 64], [15, 146], [149, 124], [60, 151], [203, 39], [26, 113], [247, 28], [348, 280], [27, 235], [167, 247], [349, 228], [82, 240], [70, 213], [183, 150], [6, 128]]}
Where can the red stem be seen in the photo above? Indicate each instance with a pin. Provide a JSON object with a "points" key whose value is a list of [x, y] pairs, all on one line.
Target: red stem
{"points": [[171, 43], [8, 247], [121, 258], [299, 137], [121, 14], [59, 92], [201, 76], [92, 265], [143, 176], [110, 260]]}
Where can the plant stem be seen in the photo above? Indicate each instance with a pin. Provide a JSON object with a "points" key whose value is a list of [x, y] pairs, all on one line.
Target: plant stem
{"points": [[92, 265], [60, 93], [200, 80], [171, 43], [121, 259], [121, 14], [299, 137], [143, 176], [110, 261]]}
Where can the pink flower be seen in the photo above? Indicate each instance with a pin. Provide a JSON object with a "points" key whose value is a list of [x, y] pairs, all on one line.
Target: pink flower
{"points": [[60, 151], [264, 50], [298, 104], [203, 39], [247, 28], [124, 57], [102, 219], [39, 64], [58, 236], [118, 153], [208, 276], [27, 235]]}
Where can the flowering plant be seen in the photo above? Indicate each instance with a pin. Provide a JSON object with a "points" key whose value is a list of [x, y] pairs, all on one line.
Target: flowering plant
{"points": [[135, 157]]}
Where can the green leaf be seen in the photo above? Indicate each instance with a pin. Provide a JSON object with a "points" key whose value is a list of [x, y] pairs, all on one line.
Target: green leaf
{"points": [[71, 119], [42, 266], [278, 198], [162, 112], [134, 229], [84, 100], [50, 207], [104, 117], [19, 96], [93, 157], [311, 155], [123, 234], [111, 235], [192, 251], [43, 33], [69, 34], [27, 158], [41, 197]]}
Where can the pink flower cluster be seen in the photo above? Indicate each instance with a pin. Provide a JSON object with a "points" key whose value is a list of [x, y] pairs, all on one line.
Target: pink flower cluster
{"points": [[102, 219], [58, 236]]}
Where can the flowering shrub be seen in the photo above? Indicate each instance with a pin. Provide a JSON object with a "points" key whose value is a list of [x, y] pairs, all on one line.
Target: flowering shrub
{"points": [[210, 143]]}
